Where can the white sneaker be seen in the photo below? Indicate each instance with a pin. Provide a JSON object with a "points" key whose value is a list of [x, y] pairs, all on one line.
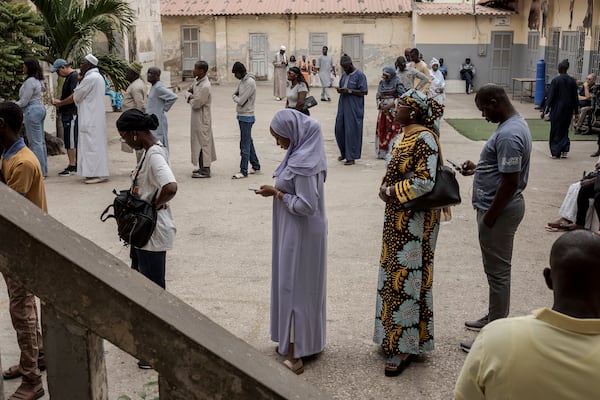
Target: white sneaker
{"points": [[255, 172]]}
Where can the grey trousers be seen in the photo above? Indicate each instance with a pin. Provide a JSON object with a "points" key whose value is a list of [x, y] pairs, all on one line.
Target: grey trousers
{"points": [[496, 252]]}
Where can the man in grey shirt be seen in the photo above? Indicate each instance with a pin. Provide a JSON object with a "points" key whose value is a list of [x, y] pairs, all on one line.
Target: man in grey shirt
{"points": [[500, 178]]}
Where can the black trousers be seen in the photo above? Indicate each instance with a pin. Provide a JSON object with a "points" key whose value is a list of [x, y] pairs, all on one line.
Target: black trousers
{"points": [[586, 192]]}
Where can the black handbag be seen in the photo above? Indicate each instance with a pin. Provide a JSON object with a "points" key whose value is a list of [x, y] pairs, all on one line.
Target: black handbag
{"points": [[136, 218], [309, 102], [445, 192]]}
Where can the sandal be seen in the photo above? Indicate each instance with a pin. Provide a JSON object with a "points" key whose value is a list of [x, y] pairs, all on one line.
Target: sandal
{"points": [[14, 372], [239, 175], [558, 223], [394, 366], [28, 391], [297, 367]]}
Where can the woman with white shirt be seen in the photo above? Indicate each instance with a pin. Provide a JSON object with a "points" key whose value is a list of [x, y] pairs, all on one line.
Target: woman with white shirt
{"points": [[34, 112], [297, 90], [154, 182]]}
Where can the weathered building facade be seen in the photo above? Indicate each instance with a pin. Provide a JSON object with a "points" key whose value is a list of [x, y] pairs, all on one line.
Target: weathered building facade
{"points": [[504, 39]]}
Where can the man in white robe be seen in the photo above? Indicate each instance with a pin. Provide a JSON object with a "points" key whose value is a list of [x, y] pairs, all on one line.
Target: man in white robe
{"points": [[280, 74], [160, 100], [92, 150]]}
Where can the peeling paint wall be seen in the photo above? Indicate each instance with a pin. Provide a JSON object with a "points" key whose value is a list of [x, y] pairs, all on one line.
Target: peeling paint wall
{"points": [[225, 40], [148, 33]]}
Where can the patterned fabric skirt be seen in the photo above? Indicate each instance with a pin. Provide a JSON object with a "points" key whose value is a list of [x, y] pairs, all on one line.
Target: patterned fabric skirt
{"points": [[404, 305]]}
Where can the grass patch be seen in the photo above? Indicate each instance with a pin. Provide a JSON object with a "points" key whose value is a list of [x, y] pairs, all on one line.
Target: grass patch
{"points": [[480, 129]]}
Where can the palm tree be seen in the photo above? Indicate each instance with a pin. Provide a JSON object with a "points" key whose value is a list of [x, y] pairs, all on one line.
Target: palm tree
{"points": [[71, 25]]}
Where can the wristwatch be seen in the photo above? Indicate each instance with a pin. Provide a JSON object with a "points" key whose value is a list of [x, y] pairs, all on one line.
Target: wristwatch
{"points": [[388, 191]]}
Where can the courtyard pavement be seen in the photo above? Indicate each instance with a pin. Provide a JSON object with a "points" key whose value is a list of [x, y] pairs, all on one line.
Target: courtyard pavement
{"points": [[221, 262]]}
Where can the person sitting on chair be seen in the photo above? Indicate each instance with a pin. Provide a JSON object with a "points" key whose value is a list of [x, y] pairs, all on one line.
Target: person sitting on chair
{"points": [[585, 97]]}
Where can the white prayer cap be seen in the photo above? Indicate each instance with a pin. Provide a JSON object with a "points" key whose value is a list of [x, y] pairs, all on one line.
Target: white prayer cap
{"points": [[282, 48], [92, 60], [434, 61]]}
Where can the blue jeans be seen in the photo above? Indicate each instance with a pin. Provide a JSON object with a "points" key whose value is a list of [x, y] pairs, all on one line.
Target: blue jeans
{"points": [[247, 151], [33, 118], [151, 264], [468, 77]]}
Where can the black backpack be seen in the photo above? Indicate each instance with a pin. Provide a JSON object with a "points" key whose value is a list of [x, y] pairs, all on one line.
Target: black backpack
{"points": [[136, 218]]}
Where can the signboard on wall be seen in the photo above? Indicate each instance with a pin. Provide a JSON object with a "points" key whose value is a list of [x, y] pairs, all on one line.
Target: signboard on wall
{"points": [[502, 20]]}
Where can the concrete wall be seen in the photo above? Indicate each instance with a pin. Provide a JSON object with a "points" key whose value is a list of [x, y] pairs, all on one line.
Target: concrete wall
{"points": [[148, 33], [224, 40], [470, 36]]}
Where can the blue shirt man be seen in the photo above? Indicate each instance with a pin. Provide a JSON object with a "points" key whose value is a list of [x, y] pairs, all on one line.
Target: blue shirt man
{"points": [[351, 111]]}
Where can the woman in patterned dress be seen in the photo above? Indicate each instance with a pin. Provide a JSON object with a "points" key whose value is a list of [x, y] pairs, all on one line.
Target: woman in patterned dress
{"points": [[404, 309]]}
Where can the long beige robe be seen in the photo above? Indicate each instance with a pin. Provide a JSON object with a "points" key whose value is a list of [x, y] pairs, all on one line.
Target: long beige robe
{"points": [[201, 123]]}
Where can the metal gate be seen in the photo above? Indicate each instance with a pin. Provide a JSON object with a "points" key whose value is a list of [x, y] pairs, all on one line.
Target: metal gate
{"points": [[569, 49], [595, 52], [258, 55], [352, 44], [190, 49], [501, 55], [533, 45], [552, 49]]}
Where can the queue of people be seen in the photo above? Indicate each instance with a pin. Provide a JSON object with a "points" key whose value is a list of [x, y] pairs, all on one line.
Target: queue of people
{"points": [[410, 100]]}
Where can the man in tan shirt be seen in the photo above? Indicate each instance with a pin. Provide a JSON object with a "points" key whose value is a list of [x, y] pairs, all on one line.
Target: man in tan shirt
{"points": [[420, 66], [21, 171], [134, 97]]}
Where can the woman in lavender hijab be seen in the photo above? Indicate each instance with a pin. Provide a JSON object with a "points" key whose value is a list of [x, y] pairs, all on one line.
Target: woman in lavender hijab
{"points": [[299, 260]]}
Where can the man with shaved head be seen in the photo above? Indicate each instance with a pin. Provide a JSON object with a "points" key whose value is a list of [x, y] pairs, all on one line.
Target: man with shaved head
{"points": [[160, 100], [500, 177], [554, 353]]}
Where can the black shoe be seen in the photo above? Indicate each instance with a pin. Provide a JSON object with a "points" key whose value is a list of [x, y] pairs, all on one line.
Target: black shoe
{"points": [[349, 162], [466, 345], [341, 158], [401, 367], [596, 154], [70, 170], [144, 365], [477, 325]]}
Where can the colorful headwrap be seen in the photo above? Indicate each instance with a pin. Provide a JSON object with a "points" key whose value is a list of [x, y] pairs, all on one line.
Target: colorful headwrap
{"points": [[428, 110]]}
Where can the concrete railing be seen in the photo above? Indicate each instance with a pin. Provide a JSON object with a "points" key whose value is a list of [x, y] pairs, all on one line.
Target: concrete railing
{"points": [[89, 295]]}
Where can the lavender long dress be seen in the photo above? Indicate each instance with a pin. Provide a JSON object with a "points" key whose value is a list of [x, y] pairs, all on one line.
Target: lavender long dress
{"points": [[298, 285]]}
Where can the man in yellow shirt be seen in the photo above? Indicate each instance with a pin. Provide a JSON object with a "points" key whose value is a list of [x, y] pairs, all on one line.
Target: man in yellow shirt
{"points": [[554, 353], [21, 172]]}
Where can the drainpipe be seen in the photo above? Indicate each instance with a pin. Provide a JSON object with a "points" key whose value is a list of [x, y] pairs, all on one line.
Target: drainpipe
{"points": [[292, 35], [413, 14]]}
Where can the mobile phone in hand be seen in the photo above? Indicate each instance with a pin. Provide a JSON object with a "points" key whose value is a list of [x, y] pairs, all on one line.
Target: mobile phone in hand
{"points": [[456, 165], [254, 188]]}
